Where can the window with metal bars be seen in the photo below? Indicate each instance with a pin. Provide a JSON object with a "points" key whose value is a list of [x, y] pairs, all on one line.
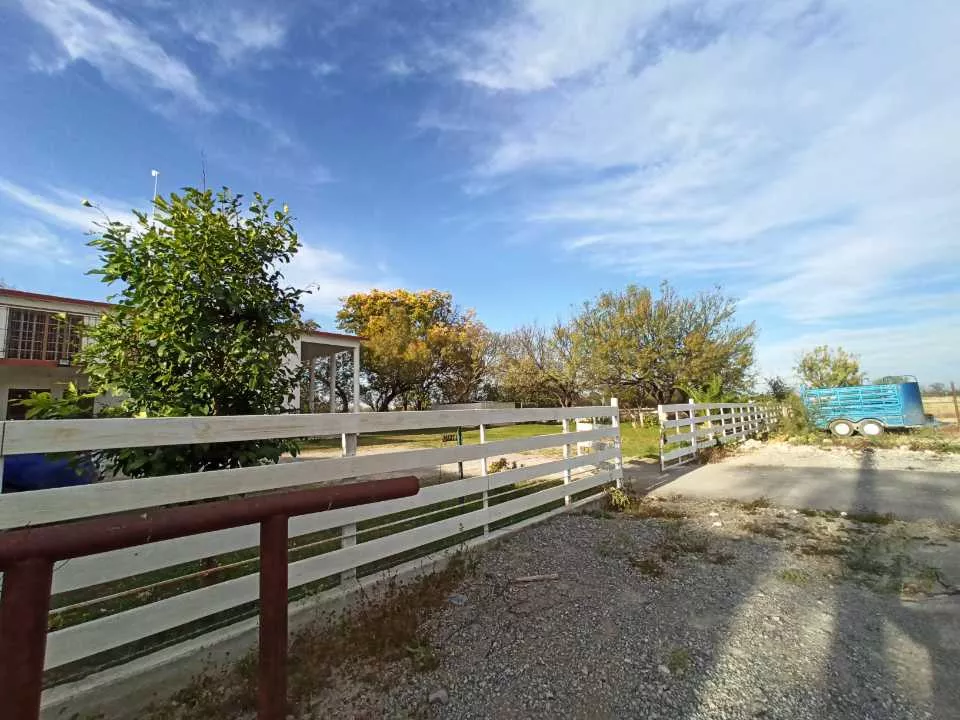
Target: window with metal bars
{"points": [[40, 335]]}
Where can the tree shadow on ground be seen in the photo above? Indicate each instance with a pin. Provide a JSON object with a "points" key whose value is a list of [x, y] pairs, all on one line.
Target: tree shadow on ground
{"points": [[883, 643]]}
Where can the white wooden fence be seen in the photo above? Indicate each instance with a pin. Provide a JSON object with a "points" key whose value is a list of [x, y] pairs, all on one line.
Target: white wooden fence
{"points": [[117, 605], [687, 428]]}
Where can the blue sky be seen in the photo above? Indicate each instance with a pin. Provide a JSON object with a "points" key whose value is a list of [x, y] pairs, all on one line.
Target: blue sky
{"points": [[523, 154]]}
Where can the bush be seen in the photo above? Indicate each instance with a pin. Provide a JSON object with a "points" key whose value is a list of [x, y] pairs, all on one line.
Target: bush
{"points": [[498, 465]]}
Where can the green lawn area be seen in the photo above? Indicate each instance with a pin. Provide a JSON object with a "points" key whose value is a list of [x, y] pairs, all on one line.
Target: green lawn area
{"points": [[637, 442]]}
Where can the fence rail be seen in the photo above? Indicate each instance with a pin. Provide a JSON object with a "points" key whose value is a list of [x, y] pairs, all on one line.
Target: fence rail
{"points": [[687, 428], [119, 604]]}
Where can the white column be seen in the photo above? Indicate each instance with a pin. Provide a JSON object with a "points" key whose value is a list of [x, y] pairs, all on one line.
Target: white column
{"points": [[356, 379], [4, 319], [312, 386], [332, 377]]}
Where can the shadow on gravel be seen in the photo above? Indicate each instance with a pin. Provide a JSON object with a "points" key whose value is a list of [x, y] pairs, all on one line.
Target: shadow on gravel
{"points": [[920, 634]]}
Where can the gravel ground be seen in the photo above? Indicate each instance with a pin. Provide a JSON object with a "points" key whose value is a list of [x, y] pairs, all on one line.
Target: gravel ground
{"points": [[724, 612]]}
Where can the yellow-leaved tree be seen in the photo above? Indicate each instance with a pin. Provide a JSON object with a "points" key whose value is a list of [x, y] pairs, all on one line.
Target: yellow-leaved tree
{"points": [[418, 348]]}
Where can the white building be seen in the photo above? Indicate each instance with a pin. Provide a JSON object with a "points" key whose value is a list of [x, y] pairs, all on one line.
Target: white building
{"points": [[39, 335]]}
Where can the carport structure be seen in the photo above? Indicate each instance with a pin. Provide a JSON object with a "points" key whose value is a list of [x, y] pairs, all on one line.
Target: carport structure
{"points": [[316, 344]]}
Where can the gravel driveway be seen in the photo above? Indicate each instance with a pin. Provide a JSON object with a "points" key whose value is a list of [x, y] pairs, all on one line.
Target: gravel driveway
{"points": [[689, 609], [917, 484]]}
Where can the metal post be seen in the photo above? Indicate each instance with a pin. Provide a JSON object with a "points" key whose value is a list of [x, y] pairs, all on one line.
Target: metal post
{"points": [[483, 472], [956, 409], [23, 637], [272, 687], [661, 417]]}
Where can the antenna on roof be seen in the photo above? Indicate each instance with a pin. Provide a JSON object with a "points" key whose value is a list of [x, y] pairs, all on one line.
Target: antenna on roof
{"points": [[156, 182]]}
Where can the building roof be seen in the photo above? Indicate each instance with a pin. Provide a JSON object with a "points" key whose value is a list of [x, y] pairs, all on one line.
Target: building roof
{"points": [[20, 294], [332, 335]]}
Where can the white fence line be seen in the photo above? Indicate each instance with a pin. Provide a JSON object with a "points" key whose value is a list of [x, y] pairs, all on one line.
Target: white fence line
{"points": [[696, 426], [112, 616]]}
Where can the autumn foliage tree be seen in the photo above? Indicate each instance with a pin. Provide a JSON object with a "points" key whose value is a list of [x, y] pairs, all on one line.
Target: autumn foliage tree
{"points": [[538, 366], [419, 348], [649, 347]]}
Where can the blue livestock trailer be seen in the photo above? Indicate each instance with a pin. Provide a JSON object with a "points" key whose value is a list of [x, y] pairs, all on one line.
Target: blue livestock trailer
{"points": [[867, 409]]}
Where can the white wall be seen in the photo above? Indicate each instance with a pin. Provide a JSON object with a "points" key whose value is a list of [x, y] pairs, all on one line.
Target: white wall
{"points": [[52, 379]]}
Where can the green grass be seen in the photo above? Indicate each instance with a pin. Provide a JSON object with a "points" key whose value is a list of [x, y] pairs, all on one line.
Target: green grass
{"points": [[433, 438], [636, 442], [641, 442]]}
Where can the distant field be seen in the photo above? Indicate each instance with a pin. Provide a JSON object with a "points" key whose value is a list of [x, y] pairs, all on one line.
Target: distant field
{"points": [[940, 407]]}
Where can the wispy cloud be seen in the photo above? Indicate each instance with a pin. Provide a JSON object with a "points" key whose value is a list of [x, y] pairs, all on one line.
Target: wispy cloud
{"points": [[63, 207], [398, 67], [35, 245], [805, 153], [330, 275], [237, 34], [124, 53]]}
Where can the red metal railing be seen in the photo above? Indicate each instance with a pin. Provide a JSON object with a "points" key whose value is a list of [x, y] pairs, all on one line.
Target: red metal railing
{"points": [[27, 556]]}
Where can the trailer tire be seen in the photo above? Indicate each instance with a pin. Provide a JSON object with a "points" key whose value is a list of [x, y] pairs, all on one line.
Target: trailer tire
{"points": [[871, 428], [842, 428]]}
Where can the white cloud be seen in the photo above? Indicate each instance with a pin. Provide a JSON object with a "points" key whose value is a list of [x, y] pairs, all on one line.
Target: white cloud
{"points": [[63, 207], [805, 153], [123, 53], [330, 275], [237, 34]]}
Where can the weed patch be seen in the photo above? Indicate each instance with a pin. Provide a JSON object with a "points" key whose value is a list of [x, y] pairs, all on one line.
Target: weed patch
{"points": [[758, 527], [679, 661], [647, 566], [753, 506], [794, 576], [382, 629]]}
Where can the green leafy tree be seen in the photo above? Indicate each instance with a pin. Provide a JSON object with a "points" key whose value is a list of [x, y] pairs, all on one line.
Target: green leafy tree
{"points": [[419, 347], [650, 348], [203, 324], [778, 388], [825, 367]]}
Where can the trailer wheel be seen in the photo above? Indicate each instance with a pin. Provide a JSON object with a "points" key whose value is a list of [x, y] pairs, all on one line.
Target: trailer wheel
{"points": [[842, 428], [871, 428]]}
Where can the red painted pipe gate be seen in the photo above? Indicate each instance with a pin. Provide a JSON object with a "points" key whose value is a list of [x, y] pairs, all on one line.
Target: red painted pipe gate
{"points": [[27, 556]]}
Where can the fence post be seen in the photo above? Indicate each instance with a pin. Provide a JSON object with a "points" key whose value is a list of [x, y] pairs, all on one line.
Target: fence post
{"points": [[483, 472], [618, 460], [272, 680], [23, 637], [693, 428], [661, 418], [565, 428], [348, 533]]}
